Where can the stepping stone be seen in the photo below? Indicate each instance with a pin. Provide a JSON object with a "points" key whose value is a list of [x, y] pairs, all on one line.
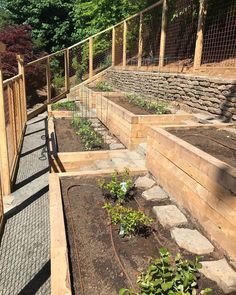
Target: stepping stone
{"points": [[220, 272], [191, 240], [140, 163], [156, 193], [144, 182], [142, 149], [169, 215], [121, 163], [116, 146]]}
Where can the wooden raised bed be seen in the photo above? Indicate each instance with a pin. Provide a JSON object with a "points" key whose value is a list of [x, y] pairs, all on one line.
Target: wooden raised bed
{"points": [[72, 204], [131, 129], [201, 183]]}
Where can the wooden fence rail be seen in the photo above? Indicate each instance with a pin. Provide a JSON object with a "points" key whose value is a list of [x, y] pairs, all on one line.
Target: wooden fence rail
{"points": [[13, 119]]}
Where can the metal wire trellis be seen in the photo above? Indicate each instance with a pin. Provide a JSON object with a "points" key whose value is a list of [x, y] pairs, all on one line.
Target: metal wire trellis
{"points": [[132, 43]]}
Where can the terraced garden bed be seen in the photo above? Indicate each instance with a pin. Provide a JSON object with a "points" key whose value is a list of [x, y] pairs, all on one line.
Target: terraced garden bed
{"points": [[201, 165], [113, 259]]}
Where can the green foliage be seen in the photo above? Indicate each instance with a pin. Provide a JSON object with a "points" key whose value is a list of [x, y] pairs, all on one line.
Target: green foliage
{"points": [[58, 81], [154, 106], [65, 105], [5, 18], [88, 136], [104, 86], [131, 221], [119, 185], [168, 276]]}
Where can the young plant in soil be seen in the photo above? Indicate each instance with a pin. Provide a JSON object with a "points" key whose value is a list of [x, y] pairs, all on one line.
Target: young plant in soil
{"points": [[66, 105], [104, 86], [169, 276], [119, 187], [131, 221], [156, 107], [88, 136]]}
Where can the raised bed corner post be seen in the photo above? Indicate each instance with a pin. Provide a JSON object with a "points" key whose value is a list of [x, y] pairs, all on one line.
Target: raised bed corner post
{"points": [[23, 102], [124, 43], [163, 34], [113, 56], [48, 77], [199, 39], [140, 40], [66, 64], [90, 57], [4, 160]]}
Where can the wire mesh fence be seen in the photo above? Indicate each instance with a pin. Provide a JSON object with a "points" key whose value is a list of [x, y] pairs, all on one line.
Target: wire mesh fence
{"points": [[102, 52], [119, 38], [219, 43], [132, 41], [151, 34], [182, 22]]}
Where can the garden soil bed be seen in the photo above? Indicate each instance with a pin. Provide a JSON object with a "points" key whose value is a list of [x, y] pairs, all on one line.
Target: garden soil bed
{"points": [[136, 110], [68, 140], [217, 142], [89, 241]]}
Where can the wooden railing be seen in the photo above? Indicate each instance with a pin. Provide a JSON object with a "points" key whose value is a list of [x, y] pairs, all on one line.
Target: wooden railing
{"points": [[1, 207], [13, 119]]}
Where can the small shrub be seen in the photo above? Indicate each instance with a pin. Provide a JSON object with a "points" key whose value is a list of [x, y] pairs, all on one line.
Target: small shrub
{"points": [[156, 107], [119, 185], [104, 86], [58, 81], [88, 136], [168, 276], [65, 105], [131, 221]]}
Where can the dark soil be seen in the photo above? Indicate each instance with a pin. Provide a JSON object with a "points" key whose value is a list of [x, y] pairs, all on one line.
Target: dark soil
{"points": [[129, 106], [216, 142], [101, 273], [68, 140]]}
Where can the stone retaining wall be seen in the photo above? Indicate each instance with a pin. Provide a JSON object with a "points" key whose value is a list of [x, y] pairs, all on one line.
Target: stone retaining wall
{"points": [[214, 95]]}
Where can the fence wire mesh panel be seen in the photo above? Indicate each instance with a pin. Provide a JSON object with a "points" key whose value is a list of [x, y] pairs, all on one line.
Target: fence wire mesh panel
{"points": [[119, 38], [132, 41], [36, 84], [151, 34], [102, 51], [57, 69], [79, 63], [182, 22], [219, 42]]}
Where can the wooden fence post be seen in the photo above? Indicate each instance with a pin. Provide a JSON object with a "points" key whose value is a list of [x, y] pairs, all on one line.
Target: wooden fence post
{"points": [[163, 34], [113, 46], [140, 41], [4, 160], [21, 70], [90, 57], [199, 40], [124, 43], [48, 78], [66, 64]]}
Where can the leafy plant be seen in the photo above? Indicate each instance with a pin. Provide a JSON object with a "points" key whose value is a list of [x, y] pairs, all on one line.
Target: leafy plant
{"points": [[154, 106], [58, 81], [117, 188], [65, 105], [104, 86], [168, 276], [131, 221], [88, 136]]}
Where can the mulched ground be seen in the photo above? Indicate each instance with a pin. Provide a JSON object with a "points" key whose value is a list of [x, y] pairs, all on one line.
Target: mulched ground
{"points": [[216, 142], [68, 140], [87, 226]]}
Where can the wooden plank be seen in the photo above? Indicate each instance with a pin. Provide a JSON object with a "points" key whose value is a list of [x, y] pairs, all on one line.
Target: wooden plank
{"points": [[21, 70], [124, 43], [113, 46], [140, 41], [90, 57], [49, 83], [66, 68], [5, 169], [60, 276]]}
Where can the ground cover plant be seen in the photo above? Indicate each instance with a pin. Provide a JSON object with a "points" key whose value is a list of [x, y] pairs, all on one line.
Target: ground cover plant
{"points": [[104, 86], [149, 105], [65, 105], [119, 187], [169, 276], [131, 221], [90, 138]]}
